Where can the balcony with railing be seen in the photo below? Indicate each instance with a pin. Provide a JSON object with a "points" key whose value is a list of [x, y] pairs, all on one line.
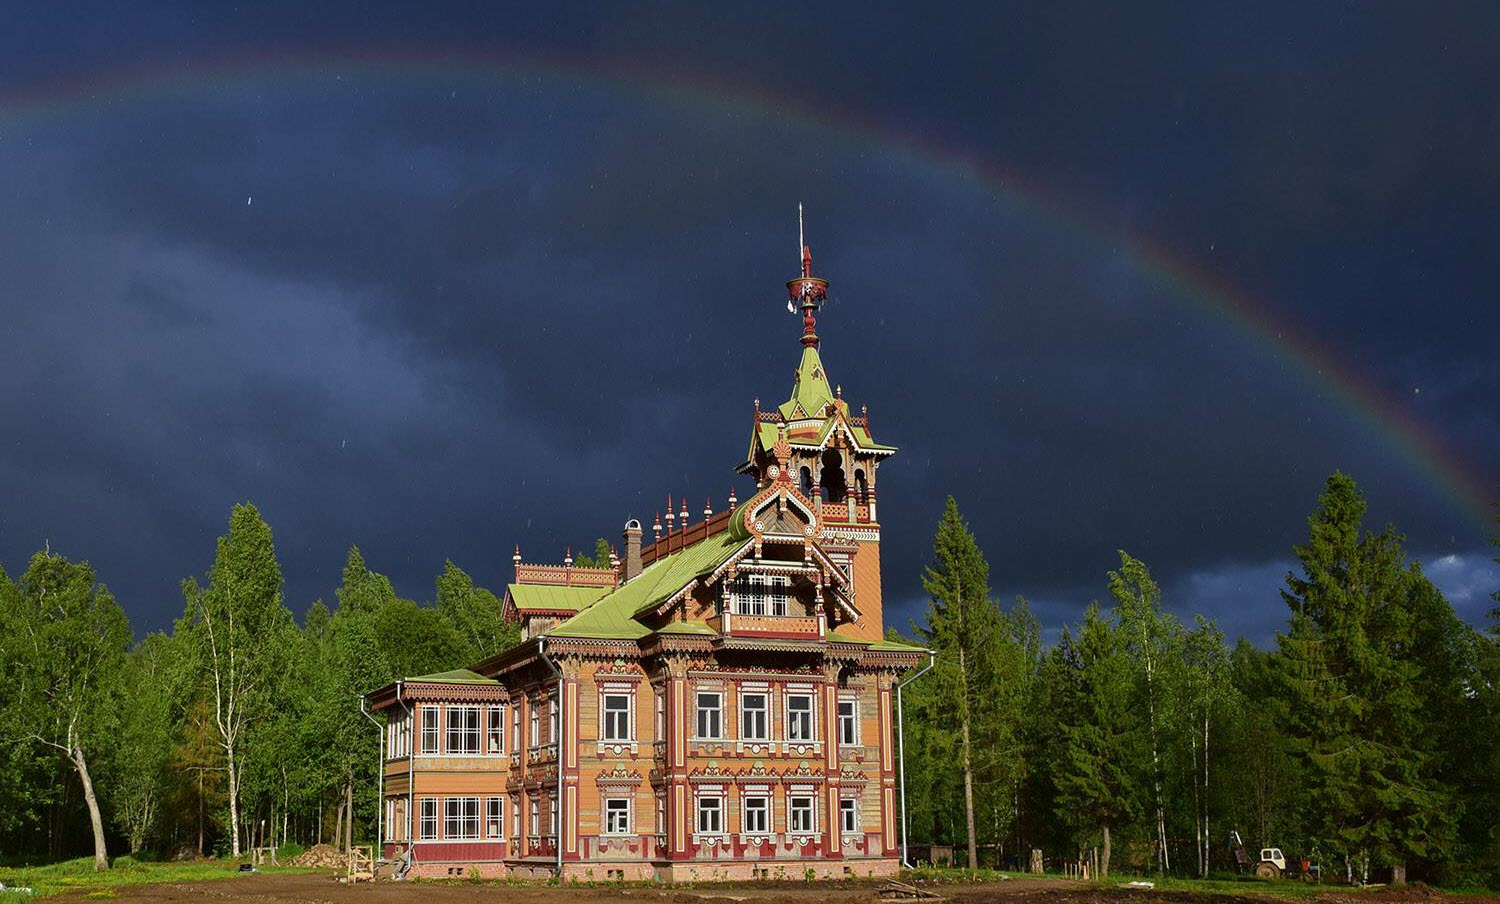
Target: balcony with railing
{"points": [[787, 627]]}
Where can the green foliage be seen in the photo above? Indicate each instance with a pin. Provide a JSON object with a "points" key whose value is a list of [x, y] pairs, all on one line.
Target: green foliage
{"points": [[600, 559], [475, 613], [1356, 690], [64, 669]]}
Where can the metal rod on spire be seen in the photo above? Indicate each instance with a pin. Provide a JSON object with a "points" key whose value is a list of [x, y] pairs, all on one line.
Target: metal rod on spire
{"points": [[801, 240]]}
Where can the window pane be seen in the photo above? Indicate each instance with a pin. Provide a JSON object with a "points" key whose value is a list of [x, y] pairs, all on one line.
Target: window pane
{"points": [[708, 815], [617, 816], [802, 814], [753, 717], [617, 717], [708, 715], [755, 814]]}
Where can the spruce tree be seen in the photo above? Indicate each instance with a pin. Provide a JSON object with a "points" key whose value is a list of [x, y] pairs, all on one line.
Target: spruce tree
{"points": [[1351, 685], [963, 627], [1098, 776]]}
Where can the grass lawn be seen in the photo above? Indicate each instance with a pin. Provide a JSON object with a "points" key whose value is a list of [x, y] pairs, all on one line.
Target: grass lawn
{"points": [[55, 878]]}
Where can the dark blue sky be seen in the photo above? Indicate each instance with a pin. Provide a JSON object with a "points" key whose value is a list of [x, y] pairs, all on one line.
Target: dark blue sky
{"points": [[437, 280]]}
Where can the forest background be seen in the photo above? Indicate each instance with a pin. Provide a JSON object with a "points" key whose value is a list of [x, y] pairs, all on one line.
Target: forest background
{"points": [[1366, 740]]}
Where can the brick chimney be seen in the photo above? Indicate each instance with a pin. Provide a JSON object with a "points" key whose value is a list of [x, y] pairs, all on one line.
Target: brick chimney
{"points": [[632, 562]]}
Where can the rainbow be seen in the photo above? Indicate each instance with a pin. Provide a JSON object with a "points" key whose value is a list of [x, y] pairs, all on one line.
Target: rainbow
{"points": [[1440, 466]]}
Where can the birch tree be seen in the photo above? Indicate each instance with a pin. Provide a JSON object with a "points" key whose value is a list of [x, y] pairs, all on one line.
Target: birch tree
{"points": [[233, 627], [72, 637], [1151, 638]]}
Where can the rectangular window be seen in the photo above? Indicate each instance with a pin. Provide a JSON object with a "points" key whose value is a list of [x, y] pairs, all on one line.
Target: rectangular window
{"points": [[463, 730], [429, 729], [551, 720], [429, 824], [493, 817], [461, 817], [848, 723], [617, 816], [536, 725], [800, 818], [760, 594], [515, 728], [799, 717], [753, 717], [710, 815], [849, 816], [617, 717], [552, 813], [536, 816], [495, 735], [515, 816], [757, 815], [709, 724]]}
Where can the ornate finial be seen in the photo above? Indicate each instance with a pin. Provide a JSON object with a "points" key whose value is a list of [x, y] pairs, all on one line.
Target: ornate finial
{"points": [[517, 557], [568, 557], [684, 515], [733, 500], [708, 509], [656, 525], [838, 391], [807, 291], [670, 517], [614, 557]]}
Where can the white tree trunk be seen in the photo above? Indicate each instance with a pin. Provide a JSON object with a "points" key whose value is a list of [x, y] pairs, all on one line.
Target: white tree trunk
{"points": [[101, 854], [234, 804]]}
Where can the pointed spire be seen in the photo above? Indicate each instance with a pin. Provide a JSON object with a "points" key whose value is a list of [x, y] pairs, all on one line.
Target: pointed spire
{"points": [[807, 292], [670, 517]]}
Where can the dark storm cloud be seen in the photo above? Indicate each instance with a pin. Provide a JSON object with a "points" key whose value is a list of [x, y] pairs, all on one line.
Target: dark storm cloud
{"points": [[439, 312]]}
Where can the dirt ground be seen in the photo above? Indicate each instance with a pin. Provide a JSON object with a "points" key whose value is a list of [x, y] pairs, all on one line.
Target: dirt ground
{"points": [[318, 889]]}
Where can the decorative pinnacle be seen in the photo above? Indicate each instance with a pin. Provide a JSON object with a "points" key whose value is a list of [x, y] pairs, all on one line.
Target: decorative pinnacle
{"points": [[684, 511], [708, 508], [807, 291], [568, 557], [517, 557], [733, 500]]}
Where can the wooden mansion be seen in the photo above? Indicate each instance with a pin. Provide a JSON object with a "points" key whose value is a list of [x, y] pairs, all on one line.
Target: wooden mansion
{"points": [[719, 703]]}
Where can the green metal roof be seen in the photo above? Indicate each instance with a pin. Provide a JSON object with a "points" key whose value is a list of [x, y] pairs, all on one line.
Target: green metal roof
{"points": [[551, 596], [811, 390], [457, 676], [837, 636], [613, 615], [897, 646]]}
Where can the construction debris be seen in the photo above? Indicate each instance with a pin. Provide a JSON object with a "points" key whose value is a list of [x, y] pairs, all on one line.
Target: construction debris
{"points": [[322, 856], [900, 891]]}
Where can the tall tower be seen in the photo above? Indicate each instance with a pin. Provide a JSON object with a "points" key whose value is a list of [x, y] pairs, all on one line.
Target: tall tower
{"points": [[831, 456]]}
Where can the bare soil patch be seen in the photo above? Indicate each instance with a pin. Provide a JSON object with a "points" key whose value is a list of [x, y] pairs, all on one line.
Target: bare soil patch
{"points": [[322, 889]]}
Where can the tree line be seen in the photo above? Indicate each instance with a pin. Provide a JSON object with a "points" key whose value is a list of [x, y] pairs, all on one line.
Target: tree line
{"points": [[239, 728], [1367, 740]]}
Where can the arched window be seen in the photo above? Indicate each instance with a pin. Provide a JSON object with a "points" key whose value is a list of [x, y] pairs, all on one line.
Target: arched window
{"points": [[861, 489], [835, 487], [806, 481]]}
